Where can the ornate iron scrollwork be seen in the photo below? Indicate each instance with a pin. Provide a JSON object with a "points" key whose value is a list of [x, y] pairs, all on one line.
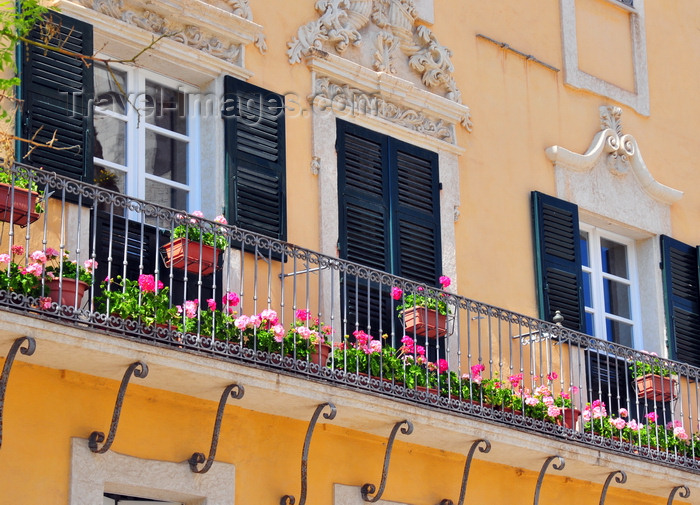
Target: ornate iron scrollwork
{"points": [[685, 493], [367, 489], [620, 478], [27, 351], [138, 369], [546, 464], [465, 476], [289, 499], [198, 458]]}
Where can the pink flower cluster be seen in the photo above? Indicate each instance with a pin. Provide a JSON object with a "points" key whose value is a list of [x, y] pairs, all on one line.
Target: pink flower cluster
{"points": [[266, 320], [148, 284], [595, 410]]}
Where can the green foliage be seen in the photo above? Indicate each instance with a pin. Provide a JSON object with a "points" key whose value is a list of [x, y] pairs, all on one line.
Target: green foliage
{"points": [[652, 365], [19, 275], [68, 269], [144, 300], [191, 229]]}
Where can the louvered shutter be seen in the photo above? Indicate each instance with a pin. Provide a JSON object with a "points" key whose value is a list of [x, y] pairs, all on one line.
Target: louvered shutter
{"points": [[57, 90], [679, 264], [255, 158], [417, 213], [558, 260]]}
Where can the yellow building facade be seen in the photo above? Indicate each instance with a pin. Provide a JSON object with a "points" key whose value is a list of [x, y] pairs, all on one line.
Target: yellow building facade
{"points": [[536, 154]]}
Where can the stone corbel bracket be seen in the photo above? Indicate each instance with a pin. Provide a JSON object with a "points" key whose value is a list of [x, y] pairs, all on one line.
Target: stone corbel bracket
{"points": [[217, 32], [348, 89], [623, 156]]}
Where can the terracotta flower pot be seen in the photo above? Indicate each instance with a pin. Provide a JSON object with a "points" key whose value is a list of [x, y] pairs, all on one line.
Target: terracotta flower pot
{"points": [[21, 210], [569, 418], [320, 357], [656, 388], [67, 291], [423, 321], [185, 254]]}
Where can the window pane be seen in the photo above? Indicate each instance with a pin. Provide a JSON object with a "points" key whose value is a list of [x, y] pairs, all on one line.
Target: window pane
{"points": [[617, 298], [619, 332], [110, 89], [590, 329], [614, 257], [166, 157], [587, 290], [584, 249], [162, 194], [166, 107], [110, 139]]}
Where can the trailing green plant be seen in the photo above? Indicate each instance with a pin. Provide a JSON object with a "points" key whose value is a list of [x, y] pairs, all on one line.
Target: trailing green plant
{"points": [[191, 229], [652, 365], [146, 300], [419, 299]]}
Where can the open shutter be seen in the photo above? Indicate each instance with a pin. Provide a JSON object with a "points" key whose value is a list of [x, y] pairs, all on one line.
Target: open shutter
{"points": [[417, 212], [57, 90], [558, 260], [255, 158], [679, 264]]}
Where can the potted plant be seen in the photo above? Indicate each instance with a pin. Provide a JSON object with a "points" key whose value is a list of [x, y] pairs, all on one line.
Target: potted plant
{"points": [[65, 279], [144, 300], [19, 199], [261, 332], [210, 321], [422, 314], [365, 355], [22, 274], [308, 338], [192, 248], [653, 379]]}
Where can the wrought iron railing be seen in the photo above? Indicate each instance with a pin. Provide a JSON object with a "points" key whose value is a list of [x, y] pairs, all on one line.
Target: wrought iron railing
{"points": [[266, 303]]}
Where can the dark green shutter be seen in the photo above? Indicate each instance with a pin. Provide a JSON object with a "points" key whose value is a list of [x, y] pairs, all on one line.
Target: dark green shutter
{"points": [[57, 90], [558, 260], [417, 213], [679, 263], [255, 158]]}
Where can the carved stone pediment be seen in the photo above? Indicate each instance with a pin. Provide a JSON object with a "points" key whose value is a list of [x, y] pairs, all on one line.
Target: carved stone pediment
{"points": [[194, 23], [384, 35], [612, 180]]}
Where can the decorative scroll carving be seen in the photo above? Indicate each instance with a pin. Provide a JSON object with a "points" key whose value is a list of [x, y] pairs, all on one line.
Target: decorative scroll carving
{"points": [[340, 23], [344, 98], [190, 35]]}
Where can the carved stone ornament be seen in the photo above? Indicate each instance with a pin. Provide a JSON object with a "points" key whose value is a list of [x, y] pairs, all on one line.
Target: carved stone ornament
{"points": [[343, 99], [622, 157], [192, 36], [393, 24]]}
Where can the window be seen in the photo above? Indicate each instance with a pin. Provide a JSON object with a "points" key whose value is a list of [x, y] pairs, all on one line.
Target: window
{"points": [[610, 291], [144, 136], [389, 205], [586, 273], [120, 499], [255, 158]]}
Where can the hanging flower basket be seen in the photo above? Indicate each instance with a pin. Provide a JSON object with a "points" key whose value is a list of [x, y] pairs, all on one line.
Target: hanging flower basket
{"points": [[186, 254], [422, 321], [655, 387], [67, 291], [22, 209]]}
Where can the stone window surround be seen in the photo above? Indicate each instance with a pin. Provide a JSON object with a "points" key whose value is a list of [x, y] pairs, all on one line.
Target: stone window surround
{"points": [[574, 76], [615, 191], [94, 474]]}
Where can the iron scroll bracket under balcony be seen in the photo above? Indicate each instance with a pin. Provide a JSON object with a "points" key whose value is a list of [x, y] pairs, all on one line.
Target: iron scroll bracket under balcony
{"points": [[684, 493], [289, 499], [236, 391], [484, 446], [619, 476], [540, 478], [367, 489], [7, 367], [138, 369]]}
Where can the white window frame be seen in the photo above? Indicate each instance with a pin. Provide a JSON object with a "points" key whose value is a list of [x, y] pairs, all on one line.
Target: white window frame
{"points": [[136, 128], [595, 270]]}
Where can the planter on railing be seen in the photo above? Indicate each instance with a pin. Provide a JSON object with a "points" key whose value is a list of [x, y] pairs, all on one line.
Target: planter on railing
{"points": [[655, 387], [64, 293], [185, 254], [422, 321], [22, 209]]}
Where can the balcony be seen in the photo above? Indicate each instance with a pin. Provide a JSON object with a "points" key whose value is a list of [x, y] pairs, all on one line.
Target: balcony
{"points": [[267, 306]]}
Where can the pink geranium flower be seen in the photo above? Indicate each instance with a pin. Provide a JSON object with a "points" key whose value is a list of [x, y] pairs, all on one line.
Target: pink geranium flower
{"points": [[396, 293], [445, 281]]}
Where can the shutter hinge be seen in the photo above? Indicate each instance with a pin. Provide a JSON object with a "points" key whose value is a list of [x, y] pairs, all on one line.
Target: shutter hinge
{"points": [[439, 186]]}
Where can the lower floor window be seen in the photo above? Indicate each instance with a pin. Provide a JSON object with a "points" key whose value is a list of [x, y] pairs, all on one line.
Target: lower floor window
{"points": [[120, 499]]}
